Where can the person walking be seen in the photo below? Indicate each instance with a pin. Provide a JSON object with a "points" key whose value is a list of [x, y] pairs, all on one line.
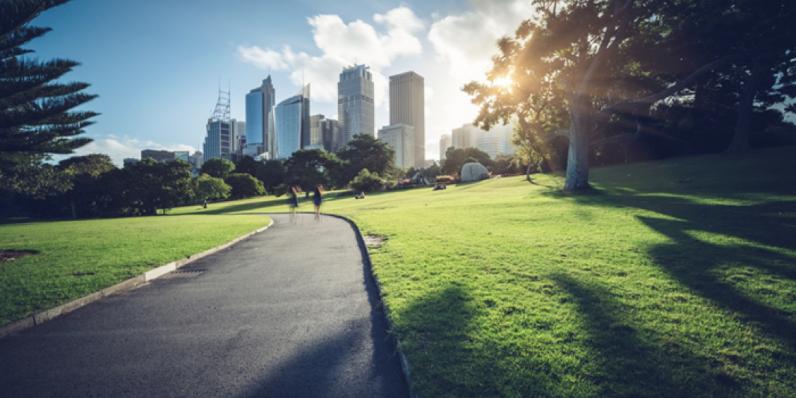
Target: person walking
{"points": [[317, 199], [292, 201]]}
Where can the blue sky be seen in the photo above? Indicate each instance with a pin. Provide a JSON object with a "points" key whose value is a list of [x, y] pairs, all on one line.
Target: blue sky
{"points": [[157, 65]]}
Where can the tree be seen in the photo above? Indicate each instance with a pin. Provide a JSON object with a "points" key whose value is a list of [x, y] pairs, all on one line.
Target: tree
{"points": [[366, 181], [455, 158], [247, 164], [272, 174], [244, 185], [36, 113], [85, 173], [217, 167], [310, 167], [208, 188], [152, 185], [365, 152], [605, 60]]}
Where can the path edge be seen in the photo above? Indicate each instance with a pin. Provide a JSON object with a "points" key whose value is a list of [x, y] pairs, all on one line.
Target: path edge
{"points": [[43, 316], [363, 248]]}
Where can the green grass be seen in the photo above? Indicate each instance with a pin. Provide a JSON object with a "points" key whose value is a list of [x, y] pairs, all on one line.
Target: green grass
{"points": [[76, 258], [674, 278]]}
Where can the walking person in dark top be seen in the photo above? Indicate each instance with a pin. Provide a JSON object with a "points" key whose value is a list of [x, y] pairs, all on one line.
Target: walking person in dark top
{"points": [[292, 201], [317, 199]]}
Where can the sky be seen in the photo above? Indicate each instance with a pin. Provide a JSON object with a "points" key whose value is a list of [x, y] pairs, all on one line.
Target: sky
{"points": [[157, 65]]}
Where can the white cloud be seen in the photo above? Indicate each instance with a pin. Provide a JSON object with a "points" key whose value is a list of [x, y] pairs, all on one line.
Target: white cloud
{"points": [[341, 44], [119, 148], [467, 41]]}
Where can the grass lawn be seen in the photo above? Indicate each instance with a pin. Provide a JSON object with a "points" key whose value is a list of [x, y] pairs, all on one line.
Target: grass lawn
{"points": [[674, 278], [76, 258]]}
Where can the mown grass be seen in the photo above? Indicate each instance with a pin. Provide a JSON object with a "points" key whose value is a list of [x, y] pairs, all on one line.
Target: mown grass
{"points": [[673, 278], [75, 258]]}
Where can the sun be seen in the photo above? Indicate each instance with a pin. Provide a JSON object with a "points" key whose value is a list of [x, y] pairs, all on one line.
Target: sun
{"points": [[503, 82]]}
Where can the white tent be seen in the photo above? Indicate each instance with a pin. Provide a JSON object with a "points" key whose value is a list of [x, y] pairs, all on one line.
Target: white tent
{"points": [[473, 171]]}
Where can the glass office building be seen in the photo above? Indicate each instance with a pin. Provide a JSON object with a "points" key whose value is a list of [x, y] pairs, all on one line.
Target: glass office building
{"points": [[218, 142], [260, 119], [292, 124], [355, 107]]}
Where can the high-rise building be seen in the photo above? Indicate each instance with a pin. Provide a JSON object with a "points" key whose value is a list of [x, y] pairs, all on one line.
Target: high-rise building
{"points": [[316, 134], [407, 107], [355, 106], [401, 138], [331, 135], [218, 141], [260, 125], [197, 159], [292, 124], [444, 143], [238, 137], [465, 136]]}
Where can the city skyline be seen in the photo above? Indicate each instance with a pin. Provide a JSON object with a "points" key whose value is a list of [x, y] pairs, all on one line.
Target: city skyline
{"points": [[179, 87]]}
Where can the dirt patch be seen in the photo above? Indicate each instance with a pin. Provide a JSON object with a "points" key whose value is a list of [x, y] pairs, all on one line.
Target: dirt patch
{"points": [[11, 254], [374, 241]]}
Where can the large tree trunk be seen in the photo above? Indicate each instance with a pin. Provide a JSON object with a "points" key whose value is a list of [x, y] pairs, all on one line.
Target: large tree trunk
{"points": [[578, 155], [746, 102]]}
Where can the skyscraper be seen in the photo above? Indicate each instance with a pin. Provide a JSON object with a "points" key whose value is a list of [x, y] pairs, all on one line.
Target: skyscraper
{"points": [[407, 107], [260, 119], [238, 137], [355, 106], [444, 143], [292, 124], [331, 135], [218, 141], [401, 138]]}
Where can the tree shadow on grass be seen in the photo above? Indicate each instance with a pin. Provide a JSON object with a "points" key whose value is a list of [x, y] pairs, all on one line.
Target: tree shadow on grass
{"points": [[697, 272], [628, 364]]}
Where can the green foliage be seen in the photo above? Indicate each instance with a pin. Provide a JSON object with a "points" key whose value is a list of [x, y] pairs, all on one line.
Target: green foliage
{"points": [[308, 168], [152, 185], [272, 173], [455, 158], [366, 181], [218, 168], [248, 165], [365, 152], [208, 188], [244, 185], [36, 113], [86, 196]]}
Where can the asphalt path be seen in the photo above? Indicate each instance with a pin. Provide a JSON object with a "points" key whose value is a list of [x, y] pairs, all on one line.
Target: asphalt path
{"points": [[289, 312]]}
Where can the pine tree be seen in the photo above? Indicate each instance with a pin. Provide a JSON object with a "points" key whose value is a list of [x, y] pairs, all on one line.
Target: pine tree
{"points": [[36, 111]]}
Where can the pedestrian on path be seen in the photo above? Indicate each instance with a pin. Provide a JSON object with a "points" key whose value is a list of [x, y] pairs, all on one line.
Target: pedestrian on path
{"points": [[292, 201], [317, 199]]}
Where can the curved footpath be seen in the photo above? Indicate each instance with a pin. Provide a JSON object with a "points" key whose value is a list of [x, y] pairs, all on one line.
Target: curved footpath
{"points": [[289, 312]]}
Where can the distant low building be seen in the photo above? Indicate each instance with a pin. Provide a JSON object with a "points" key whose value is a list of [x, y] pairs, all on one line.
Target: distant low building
{"points": [[185, 156], [157, 155], [130, 161]]}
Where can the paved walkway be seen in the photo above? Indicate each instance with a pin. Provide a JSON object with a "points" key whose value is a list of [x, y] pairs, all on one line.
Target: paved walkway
{"points": [[290, 312]]}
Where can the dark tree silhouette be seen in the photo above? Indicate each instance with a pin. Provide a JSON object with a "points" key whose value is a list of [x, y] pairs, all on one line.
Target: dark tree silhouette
{"points": [[36, 112]]}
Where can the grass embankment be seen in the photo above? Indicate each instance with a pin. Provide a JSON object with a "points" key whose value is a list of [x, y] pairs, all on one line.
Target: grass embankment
{"points": [[674, 278], [75, 258]]}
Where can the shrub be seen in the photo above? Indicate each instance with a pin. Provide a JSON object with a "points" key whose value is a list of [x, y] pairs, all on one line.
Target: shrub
{"points": [[366, 181], [244, 185]]}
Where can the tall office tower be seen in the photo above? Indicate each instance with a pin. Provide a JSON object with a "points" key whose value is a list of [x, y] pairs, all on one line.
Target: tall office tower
{"points": [[218, 141], [355, 107], [331, 135], [260, 133], [407, 107], [401, 138], [292, 124], [444, 143]]}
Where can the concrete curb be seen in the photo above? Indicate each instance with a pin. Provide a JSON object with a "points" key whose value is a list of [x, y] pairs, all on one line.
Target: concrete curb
{"points": [[364, 249], [46, 315]]}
